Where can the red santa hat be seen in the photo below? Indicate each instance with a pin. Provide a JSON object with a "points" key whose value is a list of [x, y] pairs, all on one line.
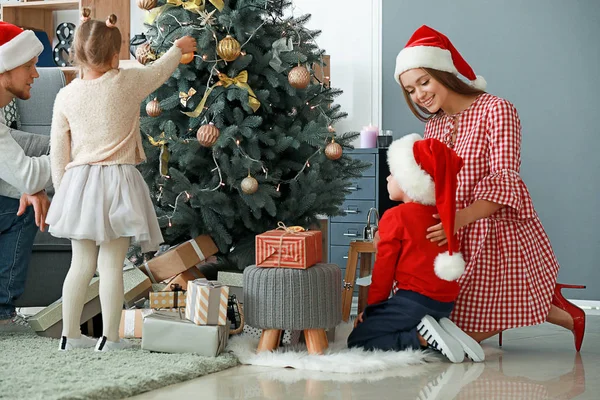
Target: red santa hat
{"points": [[427, 170], [17, 46], [431, 49]]}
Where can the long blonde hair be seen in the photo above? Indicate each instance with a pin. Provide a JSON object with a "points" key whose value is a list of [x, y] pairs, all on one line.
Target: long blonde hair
{"points": [[95, 43], [449, 81]]}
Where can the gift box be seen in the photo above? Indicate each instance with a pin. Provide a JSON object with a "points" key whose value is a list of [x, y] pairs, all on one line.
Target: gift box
{"points": [[206, 302], [136, 286], [182, 279], [175, 299], [168, 332], [132, 323], [235, 281], [179, 259], [48, 322], [288, 248]]}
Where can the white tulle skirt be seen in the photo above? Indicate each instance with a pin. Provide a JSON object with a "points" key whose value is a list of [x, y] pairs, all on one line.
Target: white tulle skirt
{"points": [[103, 203]]}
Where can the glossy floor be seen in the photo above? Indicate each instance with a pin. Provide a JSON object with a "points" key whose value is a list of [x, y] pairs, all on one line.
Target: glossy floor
{"points": [[535, 363]]}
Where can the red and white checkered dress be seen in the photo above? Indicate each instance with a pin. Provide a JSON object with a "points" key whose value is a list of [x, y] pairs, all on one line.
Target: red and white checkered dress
{"points": [[511, 268]]}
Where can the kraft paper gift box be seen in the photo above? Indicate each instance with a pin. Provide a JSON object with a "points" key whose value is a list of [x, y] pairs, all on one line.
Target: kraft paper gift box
{"points": [[206, 302], [179, 259], [183, 279], [235, 281], [136, 286], [48, 322], [289, 249], [132, 323], [175, 299], [168, 332]]}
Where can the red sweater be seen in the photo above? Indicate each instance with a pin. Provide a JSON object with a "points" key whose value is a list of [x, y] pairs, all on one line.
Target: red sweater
{"points": [[405, 258]]}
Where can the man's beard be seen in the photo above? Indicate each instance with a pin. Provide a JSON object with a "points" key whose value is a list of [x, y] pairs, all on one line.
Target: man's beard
{"points": [[23, 94]]}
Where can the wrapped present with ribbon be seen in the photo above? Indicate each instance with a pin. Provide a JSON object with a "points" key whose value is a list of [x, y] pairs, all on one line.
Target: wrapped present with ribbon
{"points": [[179, 258], [206, 302], [289, 247], [175, 298], [132, 322], [182, 279], [170, 332]]}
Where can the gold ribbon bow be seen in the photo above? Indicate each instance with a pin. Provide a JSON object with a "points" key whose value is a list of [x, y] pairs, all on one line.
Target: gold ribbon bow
{"points": [[288, 230], [240, 81], [195, 6], [184, 97], [164, 153]]}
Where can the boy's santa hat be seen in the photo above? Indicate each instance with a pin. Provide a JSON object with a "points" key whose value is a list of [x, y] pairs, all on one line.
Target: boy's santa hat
{"points": [[427, 170], [431, 49], [17, 46]]}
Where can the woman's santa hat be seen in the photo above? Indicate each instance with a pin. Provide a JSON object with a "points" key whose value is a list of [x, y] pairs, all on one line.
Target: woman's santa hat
{"points": [[427, 170], [431, 49], [17, 46]]}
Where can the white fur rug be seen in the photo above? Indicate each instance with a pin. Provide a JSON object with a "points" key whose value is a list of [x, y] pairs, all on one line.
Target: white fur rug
{"points": [[337, 358]]}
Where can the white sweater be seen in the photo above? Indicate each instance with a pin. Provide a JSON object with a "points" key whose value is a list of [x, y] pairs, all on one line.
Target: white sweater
{"points": [[97, 122], [18, 173]]}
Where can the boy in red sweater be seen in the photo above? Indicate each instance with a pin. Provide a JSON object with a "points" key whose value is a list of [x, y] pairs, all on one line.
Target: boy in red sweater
{"points": [[421, 274]]}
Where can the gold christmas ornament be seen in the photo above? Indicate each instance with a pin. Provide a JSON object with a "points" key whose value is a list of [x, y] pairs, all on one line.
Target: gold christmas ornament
{"points": [[229, 49], [249, 185], [187, 58], [208, 134], [144, 54], [299, 77], [153, 108], [333, 150], [146, 4]]}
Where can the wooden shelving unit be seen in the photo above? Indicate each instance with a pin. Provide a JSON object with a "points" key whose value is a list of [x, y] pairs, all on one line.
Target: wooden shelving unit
{"points": [[39, 15]]}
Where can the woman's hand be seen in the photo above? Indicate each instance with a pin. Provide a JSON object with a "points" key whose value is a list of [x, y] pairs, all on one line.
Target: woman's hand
{"points": [[187, 44], [436, 232]]}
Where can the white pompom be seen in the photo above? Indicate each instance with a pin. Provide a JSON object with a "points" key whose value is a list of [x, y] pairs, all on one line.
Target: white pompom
{"points": [[449, 267], [479, 83]]}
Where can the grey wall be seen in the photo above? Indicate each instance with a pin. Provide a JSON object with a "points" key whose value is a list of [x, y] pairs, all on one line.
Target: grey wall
{"points": [[544, 57]]}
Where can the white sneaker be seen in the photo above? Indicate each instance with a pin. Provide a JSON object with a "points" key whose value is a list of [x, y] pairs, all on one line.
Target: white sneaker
{"points": [[84, 342], [469, 345], [440, 340], [106, 345]]}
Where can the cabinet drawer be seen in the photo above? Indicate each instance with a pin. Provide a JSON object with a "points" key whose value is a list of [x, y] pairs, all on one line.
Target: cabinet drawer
{"points": [[343, 234], [368, 158], [362, 189], [339, 256], [354, 211]]}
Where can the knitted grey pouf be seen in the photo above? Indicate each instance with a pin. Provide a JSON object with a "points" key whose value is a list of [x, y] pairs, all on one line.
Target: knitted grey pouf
{"points": [[294, 299]]}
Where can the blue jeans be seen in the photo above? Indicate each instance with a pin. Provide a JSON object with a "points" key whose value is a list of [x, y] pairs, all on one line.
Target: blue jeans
{"points": [[16, 243]]}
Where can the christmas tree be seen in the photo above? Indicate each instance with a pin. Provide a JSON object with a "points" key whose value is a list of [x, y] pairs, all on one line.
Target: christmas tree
{"points": [[242, 135]]}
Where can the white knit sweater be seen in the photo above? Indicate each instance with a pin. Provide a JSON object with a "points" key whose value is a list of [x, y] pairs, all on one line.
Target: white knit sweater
{"points": [[97, 121], [19, 173]]}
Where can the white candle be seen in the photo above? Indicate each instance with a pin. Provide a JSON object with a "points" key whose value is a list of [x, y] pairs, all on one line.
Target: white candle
{"points": [[368, 137]]}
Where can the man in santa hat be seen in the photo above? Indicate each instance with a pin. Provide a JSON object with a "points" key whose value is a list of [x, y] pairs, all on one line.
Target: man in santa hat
{"points": [[23, 201], [421, 274]]}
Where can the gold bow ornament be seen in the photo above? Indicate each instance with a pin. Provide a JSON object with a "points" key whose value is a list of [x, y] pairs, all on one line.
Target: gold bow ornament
{"points": [[195, 6], [164, 153], [240, 81], [184, 97]]}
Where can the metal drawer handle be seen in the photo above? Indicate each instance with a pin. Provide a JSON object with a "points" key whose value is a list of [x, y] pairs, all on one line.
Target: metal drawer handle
{"points": [[351, 234], [353, 188], [345, 257], [347, 211]]}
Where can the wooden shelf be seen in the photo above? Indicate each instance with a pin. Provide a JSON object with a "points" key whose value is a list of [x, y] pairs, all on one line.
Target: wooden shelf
{"points": [[52, 5]]}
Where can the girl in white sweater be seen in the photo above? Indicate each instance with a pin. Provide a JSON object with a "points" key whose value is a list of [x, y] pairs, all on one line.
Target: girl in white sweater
{"points": [[102, 202]]}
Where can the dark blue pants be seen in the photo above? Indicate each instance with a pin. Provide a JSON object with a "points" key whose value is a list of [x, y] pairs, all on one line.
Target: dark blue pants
{"points": [[392, 324], [16, 243]]}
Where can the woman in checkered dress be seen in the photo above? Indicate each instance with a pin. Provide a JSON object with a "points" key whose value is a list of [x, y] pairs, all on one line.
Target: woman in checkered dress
{"points": [[511, 270]]}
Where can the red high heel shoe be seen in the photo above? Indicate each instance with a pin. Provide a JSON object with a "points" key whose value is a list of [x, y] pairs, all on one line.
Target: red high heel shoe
{"points": [[576, 313]]}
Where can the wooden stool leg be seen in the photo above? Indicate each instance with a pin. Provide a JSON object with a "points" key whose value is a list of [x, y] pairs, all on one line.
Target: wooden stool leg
{"points": [[269, 340], [365, 270], [349, 281], [316, 341]]}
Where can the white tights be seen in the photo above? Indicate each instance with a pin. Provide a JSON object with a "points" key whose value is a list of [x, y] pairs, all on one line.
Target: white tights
{"points": [[109, 259]]}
